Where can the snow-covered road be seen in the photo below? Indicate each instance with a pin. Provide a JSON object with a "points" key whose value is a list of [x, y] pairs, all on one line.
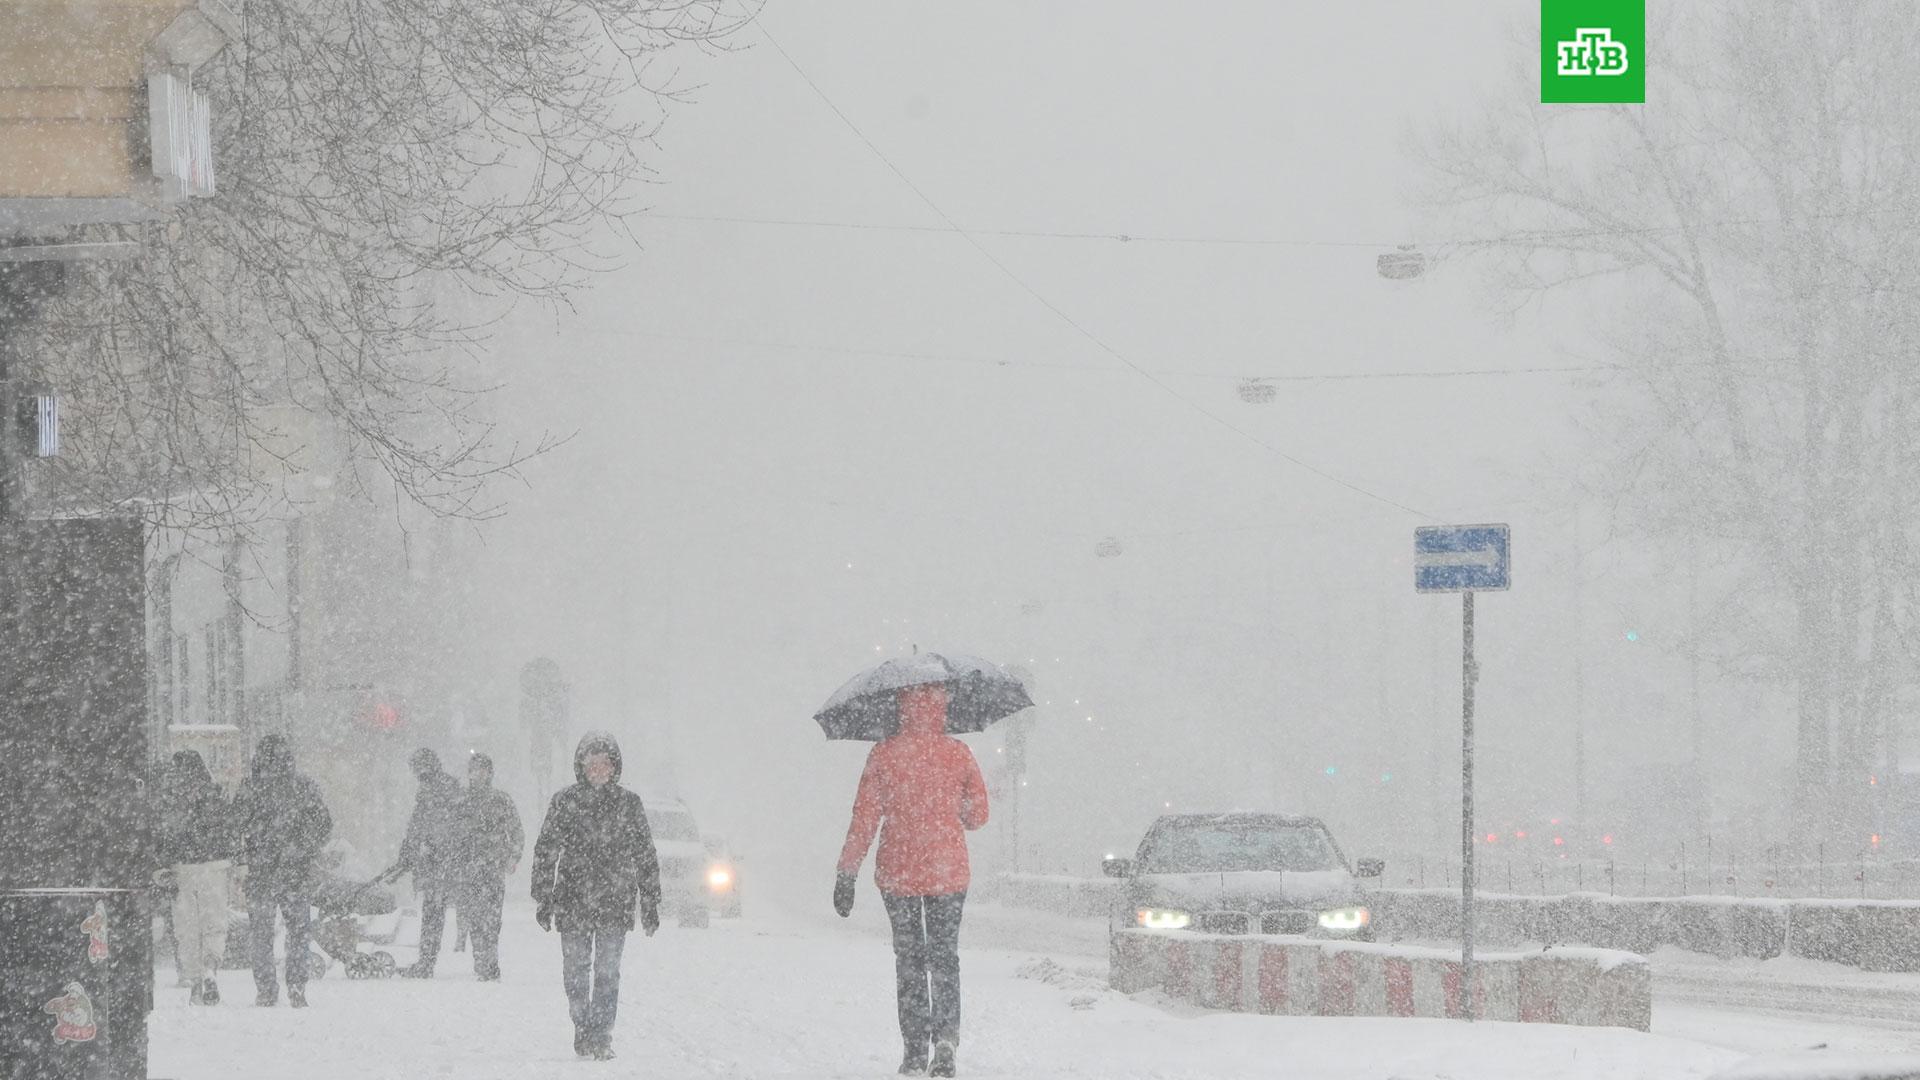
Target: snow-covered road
{"points": [[804, 997]]}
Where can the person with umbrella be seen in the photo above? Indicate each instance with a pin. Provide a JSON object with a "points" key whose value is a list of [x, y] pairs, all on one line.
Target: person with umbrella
{"points": [[921, 792]]}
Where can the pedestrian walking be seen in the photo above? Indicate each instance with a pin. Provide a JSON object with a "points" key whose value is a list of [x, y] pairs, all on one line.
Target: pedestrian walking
{"points": [[593, 864], [284, 823], [921, 792], [196, 848], [430, 852], [491, 840]]}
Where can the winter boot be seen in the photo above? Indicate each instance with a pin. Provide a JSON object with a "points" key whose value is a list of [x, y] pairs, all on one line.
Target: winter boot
{"points": [[942, 1060], [267, 998], [582, 1046], [418, 970], [914, 1062], [603, 1052], [209, 992], [297, 997]]}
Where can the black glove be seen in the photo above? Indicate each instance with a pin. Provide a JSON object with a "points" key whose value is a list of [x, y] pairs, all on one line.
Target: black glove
{"points": [[544, 916], [843, 894], [649, 919]]}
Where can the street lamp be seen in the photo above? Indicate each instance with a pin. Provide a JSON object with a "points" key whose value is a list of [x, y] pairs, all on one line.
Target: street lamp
{"points": [[1257, 391], [1402, 265]]}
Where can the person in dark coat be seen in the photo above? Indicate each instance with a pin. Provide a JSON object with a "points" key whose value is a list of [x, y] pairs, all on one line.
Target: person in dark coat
{"points": [[491, 841], [283, 824], [430, 852], [195, 844], [922, 793], [593, 863]]}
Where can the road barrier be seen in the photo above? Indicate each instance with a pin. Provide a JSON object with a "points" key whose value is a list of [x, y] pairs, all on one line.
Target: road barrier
{"points": [[1875, 935], [1306, 977]]}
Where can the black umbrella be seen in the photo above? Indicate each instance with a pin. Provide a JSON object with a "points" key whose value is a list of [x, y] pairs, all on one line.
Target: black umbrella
{"points": [[867, 707]]}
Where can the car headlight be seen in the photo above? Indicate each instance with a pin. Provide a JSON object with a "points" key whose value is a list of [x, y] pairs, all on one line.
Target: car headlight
{"points": [[719, 879], [1346, 918], [1163, 918]]}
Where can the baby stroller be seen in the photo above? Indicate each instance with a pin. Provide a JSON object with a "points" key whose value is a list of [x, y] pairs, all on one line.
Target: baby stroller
{"points": [[339, 905]]}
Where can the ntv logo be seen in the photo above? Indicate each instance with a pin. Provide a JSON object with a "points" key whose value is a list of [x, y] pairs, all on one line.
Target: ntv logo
{"points": [[1592, 52], [1581, 39]]}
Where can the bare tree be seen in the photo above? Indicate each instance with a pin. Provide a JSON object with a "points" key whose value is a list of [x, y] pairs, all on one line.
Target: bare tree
{"points": [[1743, 247], [387, 168]]}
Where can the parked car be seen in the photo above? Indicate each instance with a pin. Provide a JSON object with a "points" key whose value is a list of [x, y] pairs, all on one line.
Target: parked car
{"points": [[696, 881], [1243, 873]]}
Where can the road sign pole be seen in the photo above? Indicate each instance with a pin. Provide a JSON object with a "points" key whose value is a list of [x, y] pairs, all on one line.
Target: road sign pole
{"points": [[1469, 674], [1465, 559]]}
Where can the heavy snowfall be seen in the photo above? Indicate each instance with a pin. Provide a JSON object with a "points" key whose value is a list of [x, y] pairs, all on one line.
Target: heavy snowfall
{"points": [[726, 538]]}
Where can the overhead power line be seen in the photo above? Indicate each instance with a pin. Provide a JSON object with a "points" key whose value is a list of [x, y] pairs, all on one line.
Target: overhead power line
{"points": [[1086, 369], [1517, 238], [1079, 328]]}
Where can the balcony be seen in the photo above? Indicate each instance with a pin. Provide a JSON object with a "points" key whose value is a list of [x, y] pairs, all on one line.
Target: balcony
{"points": [[98, 118]]}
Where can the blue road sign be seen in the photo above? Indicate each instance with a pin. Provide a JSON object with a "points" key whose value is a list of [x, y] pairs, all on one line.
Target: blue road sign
{"points": [[1461, 558]]}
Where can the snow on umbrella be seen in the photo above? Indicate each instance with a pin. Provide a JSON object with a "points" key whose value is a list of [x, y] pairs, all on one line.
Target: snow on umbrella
{"points": [[979, 693]]}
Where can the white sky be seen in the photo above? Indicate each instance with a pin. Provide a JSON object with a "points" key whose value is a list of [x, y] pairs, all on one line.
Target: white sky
{"points": [[800, 442]]}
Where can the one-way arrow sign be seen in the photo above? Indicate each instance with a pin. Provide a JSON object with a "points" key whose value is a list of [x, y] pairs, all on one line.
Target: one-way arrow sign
{"points": [[1461, 558]]}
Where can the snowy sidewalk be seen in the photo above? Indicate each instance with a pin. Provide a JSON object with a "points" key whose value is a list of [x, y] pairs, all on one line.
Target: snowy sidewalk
{"points": [[797, 999]]}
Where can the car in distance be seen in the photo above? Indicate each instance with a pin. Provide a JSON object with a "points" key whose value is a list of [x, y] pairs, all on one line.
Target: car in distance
{"points": [[1243, 873], [698, 877]]}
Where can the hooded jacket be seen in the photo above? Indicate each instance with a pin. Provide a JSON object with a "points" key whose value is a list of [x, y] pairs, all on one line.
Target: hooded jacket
{"points": [[430, 848], [594, 861], [283, 820], [196, 824], [921, 791]]}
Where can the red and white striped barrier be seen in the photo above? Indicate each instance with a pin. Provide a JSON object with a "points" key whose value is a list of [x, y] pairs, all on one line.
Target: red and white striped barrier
{"points": [[1307, 977]]}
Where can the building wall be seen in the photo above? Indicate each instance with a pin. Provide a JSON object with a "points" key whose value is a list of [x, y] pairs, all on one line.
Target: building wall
{"points": [[336, 626]]}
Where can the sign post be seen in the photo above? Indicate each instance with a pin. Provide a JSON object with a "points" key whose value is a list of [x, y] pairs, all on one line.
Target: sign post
{"points": [[1464, 559]]}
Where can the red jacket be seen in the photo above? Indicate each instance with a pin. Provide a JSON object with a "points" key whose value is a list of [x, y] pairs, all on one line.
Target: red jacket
{"points": [[926, 788]]}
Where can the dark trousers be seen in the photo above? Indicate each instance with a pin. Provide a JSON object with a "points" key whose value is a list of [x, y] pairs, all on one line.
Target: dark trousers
{"points": [[293, 904], [926, 965], [479, 903], [433, 919], [590, 969]]}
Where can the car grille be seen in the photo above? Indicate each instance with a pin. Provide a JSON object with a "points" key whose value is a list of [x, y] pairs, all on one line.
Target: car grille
{"points": [[1288, 922], [1221, 922], [678, 869]]}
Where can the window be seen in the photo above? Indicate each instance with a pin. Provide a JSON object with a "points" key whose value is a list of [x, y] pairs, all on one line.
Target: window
{"points": [[1224, 846]]}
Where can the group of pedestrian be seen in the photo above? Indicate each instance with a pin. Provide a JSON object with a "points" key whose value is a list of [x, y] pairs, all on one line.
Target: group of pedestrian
{"points": [[595, 871], [275, 827], [460, 846]]}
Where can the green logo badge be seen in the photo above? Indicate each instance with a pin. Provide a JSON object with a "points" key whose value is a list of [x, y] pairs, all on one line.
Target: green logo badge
{"points": [[1593, 51]]}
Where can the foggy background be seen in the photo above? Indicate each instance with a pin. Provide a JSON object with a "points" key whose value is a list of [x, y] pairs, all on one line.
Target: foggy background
{"points": [[815, 427]]}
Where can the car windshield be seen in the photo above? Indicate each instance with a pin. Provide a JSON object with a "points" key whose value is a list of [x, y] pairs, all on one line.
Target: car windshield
{"points": [[672, 826], [1214, 846]]}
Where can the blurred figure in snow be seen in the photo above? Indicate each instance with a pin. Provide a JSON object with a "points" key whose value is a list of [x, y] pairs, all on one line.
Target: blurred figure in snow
{"points": [[430, 852], [283, 824], [491, 841], [196, 846], [921, 792], [593, 864]]}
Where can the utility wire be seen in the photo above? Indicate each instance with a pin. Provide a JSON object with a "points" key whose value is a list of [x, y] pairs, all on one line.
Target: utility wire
{"points": [[954, 227], [1042, 365], [1514, 239]]}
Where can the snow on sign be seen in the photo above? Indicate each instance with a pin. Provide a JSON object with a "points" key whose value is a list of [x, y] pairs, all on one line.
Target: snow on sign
{"points": [[1461, 558]]}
